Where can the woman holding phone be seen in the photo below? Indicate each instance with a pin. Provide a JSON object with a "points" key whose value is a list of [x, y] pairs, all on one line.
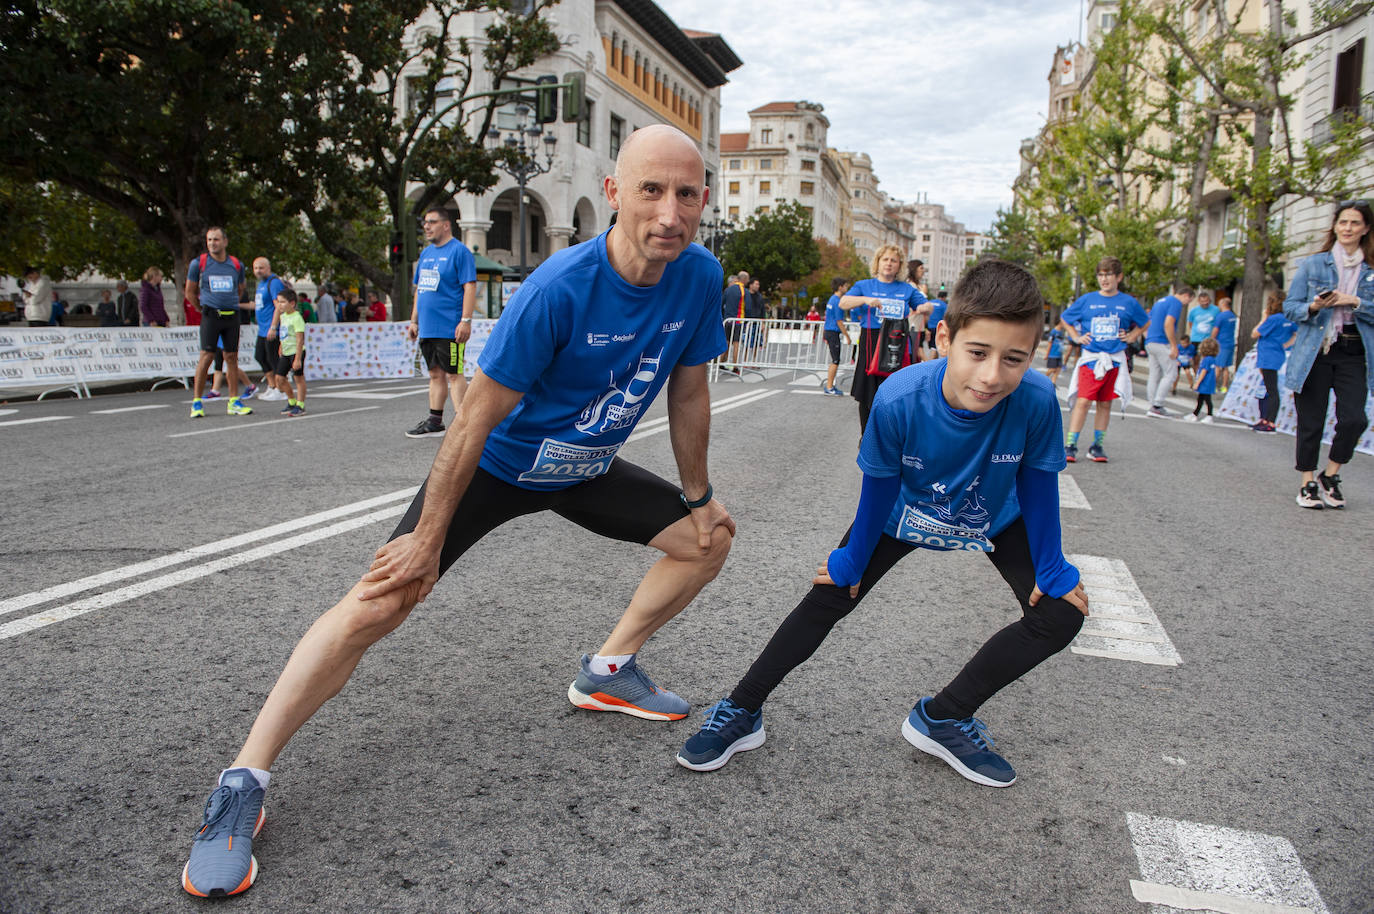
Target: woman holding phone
{"points": [[1331, 299]]}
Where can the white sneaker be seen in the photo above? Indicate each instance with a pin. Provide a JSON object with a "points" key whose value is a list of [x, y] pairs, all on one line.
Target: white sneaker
{"points": [[271, 395], [1190, 418], [1206, 420]]}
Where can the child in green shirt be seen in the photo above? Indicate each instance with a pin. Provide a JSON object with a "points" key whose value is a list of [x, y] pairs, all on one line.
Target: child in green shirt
{"points": [[290, 326]]}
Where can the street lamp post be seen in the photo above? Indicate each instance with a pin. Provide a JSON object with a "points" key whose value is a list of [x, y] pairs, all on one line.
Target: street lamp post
{"points": [[715, 226], [523, 140]]}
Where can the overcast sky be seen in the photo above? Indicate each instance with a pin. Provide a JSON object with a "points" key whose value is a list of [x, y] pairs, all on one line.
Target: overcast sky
{"points": [[940, 95]]}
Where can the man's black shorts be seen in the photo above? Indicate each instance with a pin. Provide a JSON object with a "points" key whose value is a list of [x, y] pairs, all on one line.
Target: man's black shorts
{"points": [[284, 363], [734, 331], [219, 328], [626, 503], [441, 353], [266, 353], [832, 342]]}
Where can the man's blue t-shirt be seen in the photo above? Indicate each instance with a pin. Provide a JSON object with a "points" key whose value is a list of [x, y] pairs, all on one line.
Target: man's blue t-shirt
{"points": [[1166, 307], [833, 314], [266, 302], [958, 471], [590, 352], [1200, 321], [937, 313], [1056, 339], [898, 300], [1226, 330], [1274, 331], [219, 283], [440, 273], [1105, 316], [1207, 375]]}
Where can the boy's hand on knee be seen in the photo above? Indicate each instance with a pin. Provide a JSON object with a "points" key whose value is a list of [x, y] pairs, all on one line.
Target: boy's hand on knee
{"points": [[823, 577], [1078, 597], [398, 563]]}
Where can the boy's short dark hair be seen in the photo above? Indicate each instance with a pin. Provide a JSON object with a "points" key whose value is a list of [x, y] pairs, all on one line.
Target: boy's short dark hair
{"points": [[1110, 265], [999, 290], [837, 282]]}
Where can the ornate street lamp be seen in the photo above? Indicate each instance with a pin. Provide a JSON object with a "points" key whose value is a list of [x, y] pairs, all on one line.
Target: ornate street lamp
{"points": [[523, 140]]}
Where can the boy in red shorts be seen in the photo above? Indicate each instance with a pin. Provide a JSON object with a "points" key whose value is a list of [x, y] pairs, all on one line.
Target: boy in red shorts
{"points": [[1103, 323]]}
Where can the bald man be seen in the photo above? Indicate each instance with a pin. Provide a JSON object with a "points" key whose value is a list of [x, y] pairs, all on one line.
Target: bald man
{"points": [[266, 352], [582, 349]]}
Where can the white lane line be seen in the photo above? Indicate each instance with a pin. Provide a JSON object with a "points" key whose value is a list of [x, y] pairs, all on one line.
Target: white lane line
{"points": [[369, 394], [1070, 495], [812, 393], [29, 421], [58, 591], [8, 412], [654, 426], [261, 424], [128, 409], [1122, 625], [142, 588], [1194, 866]]}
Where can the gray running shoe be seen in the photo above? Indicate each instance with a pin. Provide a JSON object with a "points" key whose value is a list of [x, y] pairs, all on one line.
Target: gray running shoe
{"points": [[222, 861], [628, 690], [427, 428]]}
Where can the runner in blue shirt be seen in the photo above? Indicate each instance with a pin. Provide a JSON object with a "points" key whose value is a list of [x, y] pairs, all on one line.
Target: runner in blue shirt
{"points": [[214, 285], [590, 338], [834, 329], [1161, 346], [445, 286], [1275, 334], [961, 454], [267, 350], [1202, 317], [1224, 332], [1102, 323], [870, 302]]}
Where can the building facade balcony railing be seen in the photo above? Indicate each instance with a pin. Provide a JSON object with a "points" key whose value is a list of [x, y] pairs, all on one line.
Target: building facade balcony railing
{"points": [[1324, 130]]}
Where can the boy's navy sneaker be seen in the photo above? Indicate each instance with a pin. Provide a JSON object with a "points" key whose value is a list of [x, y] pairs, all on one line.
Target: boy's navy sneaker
{"points": [[222, 861], [964, 745], [1071, 453], [628, 690], [728, 729], [1097, 454]]}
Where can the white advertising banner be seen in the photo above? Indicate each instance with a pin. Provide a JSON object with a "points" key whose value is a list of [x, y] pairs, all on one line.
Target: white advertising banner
{"points": [[55, 357], [1243, 396]]}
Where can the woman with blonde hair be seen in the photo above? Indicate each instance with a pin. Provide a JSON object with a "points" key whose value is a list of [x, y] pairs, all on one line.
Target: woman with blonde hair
{"points": [[150, 299], [873, 301]]}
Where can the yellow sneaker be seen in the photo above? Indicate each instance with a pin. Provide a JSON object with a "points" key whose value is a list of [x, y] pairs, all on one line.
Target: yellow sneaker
{"points": [[236, 408], [197, 409]]}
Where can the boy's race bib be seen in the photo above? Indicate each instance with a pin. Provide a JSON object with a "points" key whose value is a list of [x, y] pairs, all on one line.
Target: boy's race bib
{"points": [[916, 527], [1106, 327]]}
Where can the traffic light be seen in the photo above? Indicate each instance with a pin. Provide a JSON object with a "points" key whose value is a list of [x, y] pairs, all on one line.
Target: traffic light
{"points": [[545, 100], [397, 251], [575, 97], [942, 290]]}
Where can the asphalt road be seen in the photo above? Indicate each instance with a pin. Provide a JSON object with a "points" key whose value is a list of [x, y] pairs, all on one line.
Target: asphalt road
{"points": [[452, 774]]}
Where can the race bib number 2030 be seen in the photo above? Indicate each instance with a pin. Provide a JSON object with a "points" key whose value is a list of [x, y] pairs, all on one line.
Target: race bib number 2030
{"points": [[559, 462]]}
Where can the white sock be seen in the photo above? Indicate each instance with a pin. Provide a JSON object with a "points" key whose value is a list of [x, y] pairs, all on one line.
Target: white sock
{"points": [[262, 776], [605, 666]]}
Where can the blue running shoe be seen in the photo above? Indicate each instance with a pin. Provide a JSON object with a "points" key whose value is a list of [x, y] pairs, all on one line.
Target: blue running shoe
{"points": [[222, 861], [1071, 453], [964, 745], [728, 729], [627, 690]]}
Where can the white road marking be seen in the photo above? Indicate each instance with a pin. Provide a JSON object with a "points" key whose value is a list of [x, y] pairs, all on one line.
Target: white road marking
{"points": [[1193, 866], [8, 412], [30, 421], [1122, 626], [142, 588], [57, 592], [1070, 495], [369, 394], [261, 424], [127, 409], [654, 426], [812, 393]]}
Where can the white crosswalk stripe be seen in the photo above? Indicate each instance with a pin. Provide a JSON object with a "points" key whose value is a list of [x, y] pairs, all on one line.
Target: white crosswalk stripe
{"points": [[1122, 625]]}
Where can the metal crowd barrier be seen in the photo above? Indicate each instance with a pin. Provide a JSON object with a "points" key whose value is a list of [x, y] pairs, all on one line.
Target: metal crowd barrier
{"points": [[759, 345]]}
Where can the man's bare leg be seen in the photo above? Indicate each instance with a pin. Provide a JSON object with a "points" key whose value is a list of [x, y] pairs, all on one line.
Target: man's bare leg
{"points": [[202, 373]]}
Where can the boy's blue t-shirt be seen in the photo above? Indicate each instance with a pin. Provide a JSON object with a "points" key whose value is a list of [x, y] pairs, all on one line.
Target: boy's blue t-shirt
{"points": [[833, 314], [1186, 351], [1207, 375], [1200, 321], [1056, 338], [219, 283], [958, 472], [440, 274], [590, 352], [898, 300], [1226, 330], [1105, 316], [1166, 307], [1274, 331], [266, 302]]}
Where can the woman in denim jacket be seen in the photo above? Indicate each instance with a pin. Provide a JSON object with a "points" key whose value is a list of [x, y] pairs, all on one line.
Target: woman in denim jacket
{"points": [[1331, 299]]}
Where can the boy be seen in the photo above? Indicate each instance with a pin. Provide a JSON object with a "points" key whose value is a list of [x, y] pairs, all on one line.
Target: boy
{"points": [[1103, 323], [834, 328], [290, 326], [1054, 354], [960, 453], [1186, 350]]}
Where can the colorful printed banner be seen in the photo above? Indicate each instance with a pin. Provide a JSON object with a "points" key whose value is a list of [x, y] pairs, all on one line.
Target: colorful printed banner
{"points": [[1243, 396]]}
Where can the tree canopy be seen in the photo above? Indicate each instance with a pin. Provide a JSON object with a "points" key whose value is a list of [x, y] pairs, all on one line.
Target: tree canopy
{"points": [[774, 247]]}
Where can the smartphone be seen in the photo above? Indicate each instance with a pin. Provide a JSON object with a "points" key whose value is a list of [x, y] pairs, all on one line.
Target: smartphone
{"points": [[1328, 294]]}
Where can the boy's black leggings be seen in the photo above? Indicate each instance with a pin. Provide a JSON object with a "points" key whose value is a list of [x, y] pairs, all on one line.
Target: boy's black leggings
{"points": [[1201, 400], [1042, 630]]}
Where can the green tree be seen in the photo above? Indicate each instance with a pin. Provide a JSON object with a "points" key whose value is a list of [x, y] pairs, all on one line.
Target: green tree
{"points": [[774, 247], [65, 233], [836, 260]]}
